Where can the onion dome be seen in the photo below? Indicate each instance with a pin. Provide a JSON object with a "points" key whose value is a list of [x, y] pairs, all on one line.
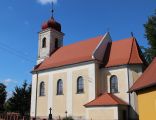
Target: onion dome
{"points": [[44, 26], [52, 24]]}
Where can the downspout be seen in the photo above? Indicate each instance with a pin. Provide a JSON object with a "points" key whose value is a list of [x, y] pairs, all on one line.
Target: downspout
{"points": [[128, 92], [36, 95], [129, 79]]}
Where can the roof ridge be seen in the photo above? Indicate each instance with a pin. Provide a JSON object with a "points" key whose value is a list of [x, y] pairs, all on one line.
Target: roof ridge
{"points": [[84, 40], [131, 50], [116, 98], [135, 49], [95, 98], [113, 97], [105, 93], [93, 56]]}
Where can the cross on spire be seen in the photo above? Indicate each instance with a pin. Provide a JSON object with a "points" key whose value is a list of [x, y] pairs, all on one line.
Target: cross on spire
{"points": [[52, 10], [132, 34]]}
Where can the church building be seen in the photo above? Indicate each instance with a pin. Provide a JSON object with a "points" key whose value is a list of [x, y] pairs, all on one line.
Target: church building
{"points": [[88, 80]]}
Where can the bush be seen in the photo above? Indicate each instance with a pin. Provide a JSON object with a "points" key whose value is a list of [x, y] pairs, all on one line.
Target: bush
{"points": [[68, 118]]}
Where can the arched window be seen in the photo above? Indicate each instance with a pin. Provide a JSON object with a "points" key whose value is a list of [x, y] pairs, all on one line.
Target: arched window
{"points": [[114, 84], [59, 87], [42, 89], [80, 85], [44, 42]]}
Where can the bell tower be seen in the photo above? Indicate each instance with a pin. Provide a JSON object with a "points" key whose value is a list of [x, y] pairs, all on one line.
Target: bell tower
{"points": [[50, 39]]}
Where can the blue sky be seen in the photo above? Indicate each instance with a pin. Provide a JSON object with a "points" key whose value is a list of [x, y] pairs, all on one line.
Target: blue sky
{"points": [[21, 21]]}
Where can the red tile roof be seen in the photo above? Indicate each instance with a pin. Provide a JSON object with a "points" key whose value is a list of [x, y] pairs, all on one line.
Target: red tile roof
{"points": [[74, 53], [120, 52], [124, 52], [147, 79], [107, 99]]}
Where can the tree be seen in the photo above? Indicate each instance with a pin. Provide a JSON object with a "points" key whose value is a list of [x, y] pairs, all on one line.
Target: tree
{"points": [[3, 95], [20, 100], [150, 34]]}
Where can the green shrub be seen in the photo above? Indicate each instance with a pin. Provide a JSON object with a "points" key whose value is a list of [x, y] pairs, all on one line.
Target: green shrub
{"points": [[68, 118]]}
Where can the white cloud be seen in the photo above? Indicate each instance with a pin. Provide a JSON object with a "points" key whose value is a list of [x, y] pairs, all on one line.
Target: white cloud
{"points": [[43, 2], [8, 81], [10, 84], [9, 94]]}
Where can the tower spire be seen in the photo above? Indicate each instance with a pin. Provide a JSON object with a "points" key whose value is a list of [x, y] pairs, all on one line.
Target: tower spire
{"points": [[52, 10]]}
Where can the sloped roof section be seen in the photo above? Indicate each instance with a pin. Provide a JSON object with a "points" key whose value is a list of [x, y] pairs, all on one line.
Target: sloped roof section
{"points": [[123, 52], [107, 99], [74, 53], [147, 79]]}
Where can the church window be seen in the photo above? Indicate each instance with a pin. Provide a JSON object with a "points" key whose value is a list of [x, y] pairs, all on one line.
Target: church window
{"points": [[59, 87], [44, 42], [80, 85], [114, 84], [56, 43], [42, 89]]}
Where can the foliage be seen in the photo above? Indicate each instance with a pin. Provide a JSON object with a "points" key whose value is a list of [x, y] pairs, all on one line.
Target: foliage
{"points": [[3, 95], [20, 100], [68, 118], [147, 53], [7, 106], [150, 34]]}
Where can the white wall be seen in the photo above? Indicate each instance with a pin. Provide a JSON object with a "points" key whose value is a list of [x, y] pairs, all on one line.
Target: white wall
{"points": [[68, 69], [33, 95], [121, 73]]}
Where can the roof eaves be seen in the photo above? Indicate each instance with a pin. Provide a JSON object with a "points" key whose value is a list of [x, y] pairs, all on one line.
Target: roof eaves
{"points": [[38, 70], [143, 87], [88, 106], [146, 71], [116, 104]]}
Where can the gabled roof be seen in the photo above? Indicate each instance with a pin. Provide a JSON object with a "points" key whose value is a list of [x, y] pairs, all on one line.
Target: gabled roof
{"points": [[107, 99], [123, 52], [147, 79], [74, 53]]}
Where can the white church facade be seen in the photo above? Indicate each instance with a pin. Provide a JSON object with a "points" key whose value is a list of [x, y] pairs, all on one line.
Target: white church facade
{"points": [[88, 80]]}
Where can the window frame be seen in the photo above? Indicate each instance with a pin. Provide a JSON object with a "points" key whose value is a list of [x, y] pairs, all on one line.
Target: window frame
{"points": [[44, 42], [42, 89], [114, 84], [80, 85], [59, 87]]}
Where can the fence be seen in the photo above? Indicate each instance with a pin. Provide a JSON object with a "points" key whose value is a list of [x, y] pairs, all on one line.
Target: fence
{"points": [[12, 116]]}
